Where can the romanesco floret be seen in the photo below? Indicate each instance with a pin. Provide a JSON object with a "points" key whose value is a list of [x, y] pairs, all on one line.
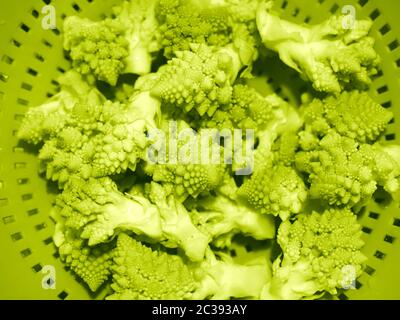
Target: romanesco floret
{"points": [[352, 114], [125, 43], [275, 189], [97, 49], [200, 79], [141, 273], [89, 135], [246, 110], [344, 172], [321, 252], [41, 122], [285, 148], [191, 179], [191, 166], [215, 23], [330, 56], [183, 23], [90, 263]]}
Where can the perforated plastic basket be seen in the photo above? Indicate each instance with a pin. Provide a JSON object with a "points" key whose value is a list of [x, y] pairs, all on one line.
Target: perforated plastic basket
{"points": [[31, 58]]}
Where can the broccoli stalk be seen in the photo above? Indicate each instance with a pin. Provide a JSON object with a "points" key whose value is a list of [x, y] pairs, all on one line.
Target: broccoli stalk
{"points": [[222, 218], [223, 278], [100, 211], [224, 215], [139, 21], [177, 226]]}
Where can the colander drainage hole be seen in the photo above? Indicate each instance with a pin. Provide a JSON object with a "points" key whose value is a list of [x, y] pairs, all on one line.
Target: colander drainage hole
{"points": [[26, 252], [3, 77], [342, 296], [32, 72], [389, 239], [390, 137], [366, 230], [8, 219], [63, 295], [37, 267], [7, 59], [76, 7], [393, 45], [387, 105], [40, 226], [396, 222], [24, 27], [375, 14], [385, 29], [334, 8], [48, 240], [26, 86], [383, 89], [373, 215], [47, 43], [16, 236], [15, 43], [379, 255], [35, 13], [32, 212], [369, 270]]}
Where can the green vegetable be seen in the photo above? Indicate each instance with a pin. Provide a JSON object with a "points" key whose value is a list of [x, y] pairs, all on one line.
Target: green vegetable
{"points": [[283, 195], [318, 252], [338, 153], [175, 170], [97, 49], [344, 172], [215, 23], [225, 215], [330, 56], [142, 273], [98, 211], [103, 50], [84, 134], [352, 114], [200, 79]]}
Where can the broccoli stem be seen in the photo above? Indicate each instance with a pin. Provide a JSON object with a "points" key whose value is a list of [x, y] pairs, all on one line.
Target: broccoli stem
{"points": [[138, 61]]}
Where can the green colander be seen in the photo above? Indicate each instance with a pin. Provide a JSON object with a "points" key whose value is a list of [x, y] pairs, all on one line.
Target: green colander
{"points": [[31, 59]]}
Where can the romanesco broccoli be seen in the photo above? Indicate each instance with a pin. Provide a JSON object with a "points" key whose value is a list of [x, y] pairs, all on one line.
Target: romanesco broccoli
{"points": [[331, 57], [319, 250]]}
